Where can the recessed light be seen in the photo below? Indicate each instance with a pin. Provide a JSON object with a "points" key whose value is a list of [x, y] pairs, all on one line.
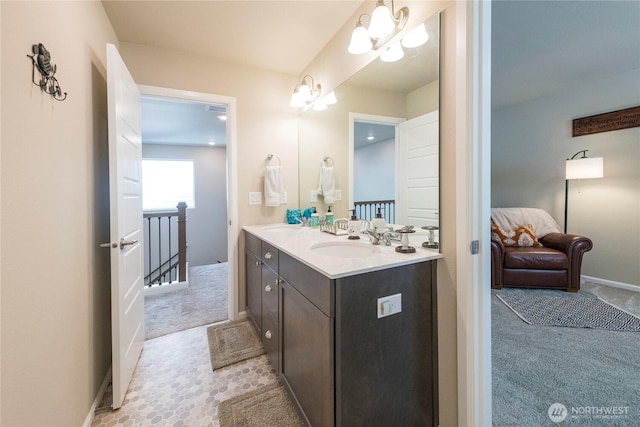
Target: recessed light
{"points": [[222, 117], [212, 143], [370, 138]]}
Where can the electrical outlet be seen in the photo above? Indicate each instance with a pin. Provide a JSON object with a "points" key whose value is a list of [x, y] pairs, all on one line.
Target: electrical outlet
{"points": [[313, 196], [283, 198], [389, 305], [338, 194], [255, 198]]}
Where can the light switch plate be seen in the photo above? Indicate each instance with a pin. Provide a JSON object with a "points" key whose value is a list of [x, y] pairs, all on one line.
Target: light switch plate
{"points": [[283, 198], [255, 198], [313, 196], [338, 194], [389, 305]]}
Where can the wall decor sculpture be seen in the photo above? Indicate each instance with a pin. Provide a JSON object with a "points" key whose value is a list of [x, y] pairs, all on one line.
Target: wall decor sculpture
{"points": [[41, 59]]}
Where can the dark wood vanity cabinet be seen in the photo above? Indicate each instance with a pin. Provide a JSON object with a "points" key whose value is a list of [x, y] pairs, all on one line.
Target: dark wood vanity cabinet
{"points": [[262, 294], [341, 363]]}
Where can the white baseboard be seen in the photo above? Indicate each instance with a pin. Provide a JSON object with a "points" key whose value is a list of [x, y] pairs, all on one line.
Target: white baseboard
{"points": [[613, 284], [92, 411]]}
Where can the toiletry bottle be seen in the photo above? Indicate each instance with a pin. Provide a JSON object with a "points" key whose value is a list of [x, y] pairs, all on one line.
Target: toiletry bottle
{"points": [[378, 223], [328, 218], [353, 226], [315, 218]]}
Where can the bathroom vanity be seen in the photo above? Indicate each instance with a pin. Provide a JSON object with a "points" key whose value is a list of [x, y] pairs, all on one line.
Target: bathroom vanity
{"points": [[349, 327]]}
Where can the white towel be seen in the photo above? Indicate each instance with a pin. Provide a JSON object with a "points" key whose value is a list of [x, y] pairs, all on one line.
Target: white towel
{"points": [[273, 185], [327, 185]]}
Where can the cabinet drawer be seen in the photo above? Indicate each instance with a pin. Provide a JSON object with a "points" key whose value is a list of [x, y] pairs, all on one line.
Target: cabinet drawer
{"points": [[270, 339], [269, 256], [269, 289], [252, 243], [316, 287]]}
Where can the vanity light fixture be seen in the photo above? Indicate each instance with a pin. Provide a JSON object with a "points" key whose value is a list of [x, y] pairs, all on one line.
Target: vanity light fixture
{"points": [[305, 94], [393, 53], [383, 25], [322, 104], [416, 37]]}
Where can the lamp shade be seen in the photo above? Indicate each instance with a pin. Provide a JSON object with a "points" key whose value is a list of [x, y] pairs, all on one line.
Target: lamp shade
{"points": [[382, 23], [585, 168], [296, 100], [416, 37], [393, 53], [360, 41]]}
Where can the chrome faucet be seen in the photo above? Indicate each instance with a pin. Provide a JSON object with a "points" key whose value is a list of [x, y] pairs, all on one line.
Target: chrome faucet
{"points": [[304, 221], [385, 237]]}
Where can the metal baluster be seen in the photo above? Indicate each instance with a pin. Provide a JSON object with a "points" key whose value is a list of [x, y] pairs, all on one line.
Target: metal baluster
{"points": [[170, 251], [159, 249]]}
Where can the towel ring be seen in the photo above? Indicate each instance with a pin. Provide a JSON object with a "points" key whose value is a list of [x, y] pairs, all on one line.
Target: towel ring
{"points": [[271, 156], [327, 160]]}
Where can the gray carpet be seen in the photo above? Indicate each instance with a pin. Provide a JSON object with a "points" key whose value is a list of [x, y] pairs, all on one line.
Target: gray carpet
{"points": [[586, 370], [232, 343], [205, 301], [268, 406]]}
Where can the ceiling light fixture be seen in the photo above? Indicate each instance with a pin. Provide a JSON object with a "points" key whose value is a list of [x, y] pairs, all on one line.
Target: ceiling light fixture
{"points": [[305, 94], [383, 25]]}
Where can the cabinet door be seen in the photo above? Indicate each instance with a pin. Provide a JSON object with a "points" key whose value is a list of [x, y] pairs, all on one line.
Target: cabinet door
{"points": [[307, 355], [253, 267]]}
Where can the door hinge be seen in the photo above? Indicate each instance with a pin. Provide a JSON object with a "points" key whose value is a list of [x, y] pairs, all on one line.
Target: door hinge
{"points": [[475, 247]]}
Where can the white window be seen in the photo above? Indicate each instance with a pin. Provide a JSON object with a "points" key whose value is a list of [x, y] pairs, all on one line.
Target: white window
{"points": [[167, 182]]}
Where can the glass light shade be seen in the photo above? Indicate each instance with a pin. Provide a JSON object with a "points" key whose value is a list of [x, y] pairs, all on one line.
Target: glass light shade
{"points": [[330, 99], [304, 91], [319, 105], [360, 41], [296, 100], [382, 23], [585, 168], [393, 53], [416, 37]]}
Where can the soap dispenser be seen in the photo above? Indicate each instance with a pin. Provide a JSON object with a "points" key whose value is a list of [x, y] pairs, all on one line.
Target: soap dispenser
{"points": [[315, 218], [328, 217], [353, 226], [378, 223]]}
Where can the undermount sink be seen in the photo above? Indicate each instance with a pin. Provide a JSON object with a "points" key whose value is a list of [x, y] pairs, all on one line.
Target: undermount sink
{"points": [[344, 249]]}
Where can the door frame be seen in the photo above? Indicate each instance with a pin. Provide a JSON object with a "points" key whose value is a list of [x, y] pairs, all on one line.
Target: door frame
{"points": [[367, 118], [232, 177]]}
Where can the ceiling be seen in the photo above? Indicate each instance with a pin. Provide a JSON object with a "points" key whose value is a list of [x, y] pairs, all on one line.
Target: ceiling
{"points": [[538, 47]]}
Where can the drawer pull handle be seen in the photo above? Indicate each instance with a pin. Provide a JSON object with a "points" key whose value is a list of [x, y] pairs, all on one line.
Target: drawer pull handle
{"points": [[268, 288], [267, 335], [258, 263], [268, 255]]}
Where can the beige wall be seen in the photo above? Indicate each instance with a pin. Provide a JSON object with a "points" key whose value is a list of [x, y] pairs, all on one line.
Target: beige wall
{"points": [[265, 122], [324, 70], [55, 280]]}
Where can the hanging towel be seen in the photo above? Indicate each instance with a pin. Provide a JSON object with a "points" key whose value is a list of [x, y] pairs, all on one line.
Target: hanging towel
{"points": [[327, 185], [273, 185]]}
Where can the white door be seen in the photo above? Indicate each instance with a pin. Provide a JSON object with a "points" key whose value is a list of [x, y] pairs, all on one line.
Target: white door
{"points": [[125, 193], [417, 160]]}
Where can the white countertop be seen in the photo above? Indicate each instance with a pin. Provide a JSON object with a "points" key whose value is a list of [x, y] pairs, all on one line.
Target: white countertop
{"points": [[307, 245]]}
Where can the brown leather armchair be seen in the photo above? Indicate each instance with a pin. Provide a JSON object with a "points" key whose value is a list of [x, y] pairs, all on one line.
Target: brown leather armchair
{"points": [[555, 265]]}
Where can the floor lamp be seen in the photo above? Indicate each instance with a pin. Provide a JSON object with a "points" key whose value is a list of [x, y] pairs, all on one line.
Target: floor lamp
{"points": [[581, 168]]}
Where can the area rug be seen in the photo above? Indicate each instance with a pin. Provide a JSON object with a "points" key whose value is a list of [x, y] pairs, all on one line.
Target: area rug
{"points": [[232, 343], [268, 406], [570, 312], [205, 301]]}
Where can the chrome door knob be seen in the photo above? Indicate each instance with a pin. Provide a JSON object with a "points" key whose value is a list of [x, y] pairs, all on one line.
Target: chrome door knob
{"points": [[268, 288]]}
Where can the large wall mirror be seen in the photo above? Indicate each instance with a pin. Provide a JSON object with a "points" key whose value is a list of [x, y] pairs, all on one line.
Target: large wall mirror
{"points": [[382, 138]]}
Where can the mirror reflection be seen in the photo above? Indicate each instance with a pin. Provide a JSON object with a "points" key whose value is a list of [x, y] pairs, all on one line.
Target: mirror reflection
{"points": [[383, 138]]}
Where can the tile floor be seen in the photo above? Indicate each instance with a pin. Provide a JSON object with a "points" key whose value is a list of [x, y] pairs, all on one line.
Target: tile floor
{"points": [[173, 384]]}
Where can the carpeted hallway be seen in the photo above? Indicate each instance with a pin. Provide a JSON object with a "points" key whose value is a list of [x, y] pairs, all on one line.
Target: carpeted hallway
{"points": [[205, 301], [537, 366]]}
